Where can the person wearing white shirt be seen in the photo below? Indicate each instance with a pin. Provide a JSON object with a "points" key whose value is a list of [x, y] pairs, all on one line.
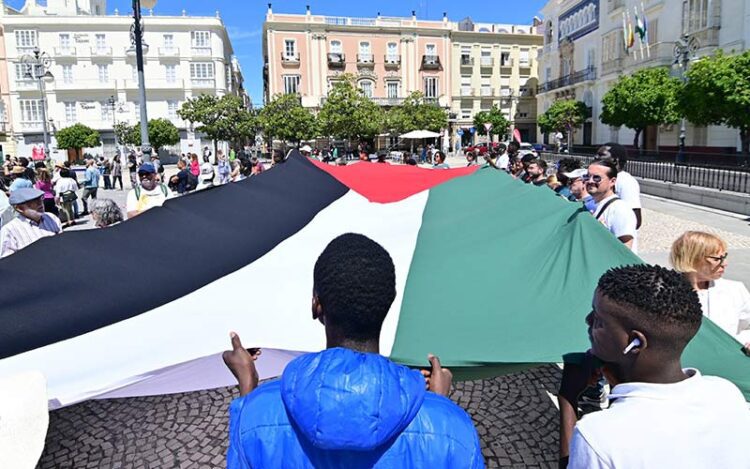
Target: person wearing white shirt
{"points": [[619, 219], [661, 415], [702, 259], [627, 187]]}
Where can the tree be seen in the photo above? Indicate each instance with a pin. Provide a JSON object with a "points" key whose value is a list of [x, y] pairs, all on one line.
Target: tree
{"points": [[415, 114], [77, 137], [127, 134], [349, 114], [494, 116], [284, 118], [648, 97], [564, 116], [225, 118], [161, 132], [718, 93]]}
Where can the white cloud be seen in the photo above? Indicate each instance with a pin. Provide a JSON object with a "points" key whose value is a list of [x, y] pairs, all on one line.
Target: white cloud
{"points": [[239, 34]]}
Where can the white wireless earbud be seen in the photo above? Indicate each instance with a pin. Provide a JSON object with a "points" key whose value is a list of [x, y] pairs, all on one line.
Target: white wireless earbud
{"points": [[635, 343]]}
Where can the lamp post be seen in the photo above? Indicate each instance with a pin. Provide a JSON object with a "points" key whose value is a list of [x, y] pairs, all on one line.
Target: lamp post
{"points": [[37, 68], [512, 100], [136, 37], [112, 102], [684, 51]]}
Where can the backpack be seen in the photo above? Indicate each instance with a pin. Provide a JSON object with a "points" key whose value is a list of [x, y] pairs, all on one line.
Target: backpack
{"points": [[161, 186], [192, 182]]}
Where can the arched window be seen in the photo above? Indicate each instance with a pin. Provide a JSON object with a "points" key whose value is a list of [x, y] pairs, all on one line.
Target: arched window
{"points": [[367, 87], [335, 47]]}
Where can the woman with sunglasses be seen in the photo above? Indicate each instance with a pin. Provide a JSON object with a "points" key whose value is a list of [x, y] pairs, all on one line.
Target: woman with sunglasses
{"points": [[702, 259]]}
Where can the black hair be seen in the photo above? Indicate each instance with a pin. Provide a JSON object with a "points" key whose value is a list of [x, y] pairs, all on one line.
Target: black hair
{"points": [[501, 148], [568, 165], [439, 154], [658, 301], [278, 156], [609, 164], [539, 162], [528, 158], [23, 161], [39, 165], [615, 152], [515, 145], [64, 173], [355, 282], [411, 162]]}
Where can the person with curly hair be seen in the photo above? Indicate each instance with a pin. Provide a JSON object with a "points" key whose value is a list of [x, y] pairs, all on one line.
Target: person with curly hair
{"points": [[105, 212], [642, 319]]}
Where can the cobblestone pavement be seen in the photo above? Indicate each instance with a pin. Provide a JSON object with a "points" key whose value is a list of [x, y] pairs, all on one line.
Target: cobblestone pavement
{"points": [[514, 416]]}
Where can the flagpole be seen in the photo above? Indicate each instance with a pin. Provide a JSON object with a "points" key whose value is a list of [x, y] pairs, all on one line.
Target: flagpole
{"points": [[624, 34], [639, 25], [645, 28]]}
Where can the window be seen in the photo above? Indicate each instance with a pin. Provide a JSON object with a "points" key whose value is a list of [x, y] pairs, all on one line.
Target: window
{"points": [[465, 114], [697, 14], [137, 111], [486, 58], [430, 50], [103, 73], [431, 87], [524, 57], [172, 110], [366, 86], [505, 59], [21, 71], [201, 70], [169, 41], [466, 56], [365, 53], [466, 85], [64, 41], [101, 42], [486, 86], [31, 110], [70, 111], [171, 73], [392, 52], [25, 39], [391, 89], [106, 109], [291, 84], [67, 73], [335, 47], [590, 58], [290, 49], [201, 39], [134, 71]]}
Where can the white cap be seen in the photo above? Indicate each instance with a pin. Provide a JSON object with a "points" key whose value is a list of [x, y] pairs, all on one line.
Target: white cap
{"points": [[575, 174], [306, 149]]}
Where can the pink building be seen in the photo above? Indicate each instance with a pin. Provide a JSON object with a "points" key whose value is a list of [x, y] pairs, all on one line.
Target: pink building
{"points": [[389, 57]]}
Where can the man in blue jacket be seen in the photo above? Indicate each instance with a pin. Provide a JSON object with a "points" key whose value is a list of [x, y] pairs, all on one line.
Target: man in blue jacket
{"points": [[348, 406]]}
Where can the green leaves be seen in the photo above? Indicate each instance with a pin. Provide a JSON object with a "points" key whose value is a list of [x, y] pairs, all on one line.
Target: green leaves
{"points": [[348, 113], [77, 136], [563, 116], [494, 116], [648, 97], [220, 118], [161, 132], [415, 114], [284, 118]]}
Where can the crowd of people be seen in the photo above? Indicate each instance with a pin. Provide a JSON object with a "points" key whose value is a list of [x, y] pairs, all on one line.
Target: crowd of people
{"points": [[348, 406]]}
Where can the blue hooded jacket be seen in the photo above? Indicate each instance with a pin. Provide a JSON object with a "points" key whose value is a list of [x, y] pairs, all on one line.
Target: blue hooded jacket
{"points": [[343, 409]]}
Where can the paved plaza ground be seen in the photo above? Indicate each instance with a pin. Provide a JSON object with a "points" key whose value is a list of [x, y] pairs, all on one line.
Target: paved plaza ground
{"points": [[515, 418]]}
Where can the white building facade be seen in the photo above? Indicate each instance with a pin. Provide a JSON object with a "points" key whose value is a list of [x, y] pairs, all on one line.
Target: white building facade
{"points": [[95, 79], [584, 54]]}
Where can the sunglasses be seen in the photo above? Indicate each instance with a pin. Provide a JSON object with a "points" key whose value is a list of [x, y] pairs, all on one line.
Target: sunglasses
{"points": [[720, 259], [589, 178]]}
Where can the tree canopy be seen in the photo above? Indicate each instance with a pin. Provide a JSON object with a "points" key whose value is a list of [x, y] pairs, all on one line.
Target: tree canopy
{"points": [[76, 137], [219, 118], [284, 118], [494, 116], [161, 132], [415, 113], [648, 97], [347, 113], [718, 93], [564, 116]]}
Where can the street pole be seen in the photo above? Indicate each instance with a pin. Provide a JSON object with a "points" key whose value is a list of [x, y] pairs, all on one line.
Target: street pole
{"points": [[113, 104], [684, 51], [45, 134], [37, 68], [138, 39]]}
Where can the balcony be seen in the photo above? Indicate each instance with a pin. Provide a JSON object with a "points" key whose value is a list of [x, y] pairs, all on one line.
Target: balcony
{"points": [[506, 62], [392, 61], [467, 91], [4, 127], [336, 60], [486, 92], [202, 83], [101, 52], [365, 60], [31, 125], [707, 37], [65, 52], [388, 101], [524, 63], [612, 66], [586, 74], [486, 62], [431, 62], [290, 60], [77, 85], [169, 52], [174, 84], [201, 51], [28, 84], [467, 61]]}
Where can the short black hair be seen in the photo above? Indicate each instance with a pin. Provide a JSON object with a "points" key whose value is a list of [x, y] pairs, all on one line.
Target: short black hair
{"points": [[539, 162], [615, 152], [439, 155], [355, 282], [515, 145], [501, 148], [658, 301], [609, 164], [568, 165]]}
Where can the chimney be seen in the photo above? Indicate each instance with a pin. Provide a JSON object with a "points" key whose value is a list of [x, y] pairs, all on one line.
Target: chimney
{"points": [[308, 10], [414, 15]]}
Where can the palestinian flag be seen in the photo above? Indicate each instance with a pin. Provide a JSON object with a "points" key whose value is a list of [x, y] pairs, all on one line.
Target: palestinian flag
{"points": [[492, 275]]}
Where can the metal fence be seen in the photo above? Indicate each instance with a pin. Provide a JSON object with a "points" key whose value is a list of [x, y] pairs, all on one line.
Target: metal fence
{"points": [[722, 178]]}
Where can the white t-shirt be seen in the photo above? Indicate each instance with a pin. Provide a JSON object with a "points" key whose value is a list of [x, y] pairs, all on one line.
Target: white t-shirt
{"points": [[147, 199], [619, 219], [727, 303], [503, 161], [628, 189], [65, 185], [700, 422]]}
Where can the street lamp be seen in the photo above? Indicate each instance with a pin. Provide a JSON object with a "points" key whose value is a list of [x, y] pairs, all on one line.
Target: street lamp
{"points": [[37, 67], [136, 37], [512, 100], [684, 51], [112, 102]]}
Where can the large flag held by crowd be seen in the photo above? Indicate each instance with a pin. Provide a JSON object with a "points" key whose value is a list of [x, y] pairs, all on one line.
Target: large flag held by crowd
{"points": [[492, 276]]}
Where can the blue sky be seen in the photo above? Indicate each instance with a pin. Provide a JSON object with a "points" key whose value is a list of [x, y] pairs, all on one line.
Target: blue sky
{"points": [[244, 18]]}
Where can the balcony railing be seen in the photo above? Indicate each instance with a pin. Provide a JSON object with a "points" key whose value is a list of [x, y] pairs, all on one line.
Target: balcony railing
{"points": [[467, 91], [201, 51], [392, 61], [506, 63], [486, 62], [388, 101], [31, 125], [202, 82], [569, 80], [524, 63], [65, 51], [336, 60], [365, 59], [612, 66], [101, 51], [485, 91], [467, 61], [166, 84], [431, 62], [26, 84], [290, 59], [169, 52]]}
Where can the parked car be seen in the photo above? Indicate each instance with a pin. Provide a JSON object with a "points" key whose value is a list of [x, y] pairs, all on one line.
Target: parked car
{"points": [[526, 148], [480, 149]]}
